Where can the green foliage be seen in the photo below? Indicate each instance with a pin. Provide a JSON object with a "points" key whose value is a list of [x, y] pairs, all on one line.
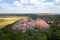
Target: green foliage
{"points": [[51, 34], [54, 33]]}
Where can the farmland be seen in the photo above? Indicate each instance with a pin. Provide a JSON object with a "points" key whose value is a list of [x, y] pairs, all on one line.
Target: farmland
{"points": [[5, 20]]}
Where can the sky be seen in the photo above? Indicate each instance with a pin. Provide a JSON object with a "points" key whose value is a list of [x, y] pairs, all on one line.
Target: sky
{"points": [[30, 6]]}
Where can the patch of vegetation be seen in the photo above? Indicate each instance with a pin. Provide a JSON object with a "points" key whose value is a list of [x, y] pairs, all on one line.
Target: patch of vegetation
{"points": [[1, 20], [7, 33]]}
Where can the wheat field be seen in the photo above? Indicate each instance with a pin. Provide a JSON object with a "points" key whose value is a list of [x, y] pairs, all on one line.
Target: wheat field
{"points": [[9, 20]]}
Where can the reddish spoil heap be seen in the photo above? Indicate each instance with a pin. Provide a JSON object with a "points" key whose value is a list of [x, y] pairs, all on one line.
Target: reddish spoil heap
{"points": [[29, 23]]}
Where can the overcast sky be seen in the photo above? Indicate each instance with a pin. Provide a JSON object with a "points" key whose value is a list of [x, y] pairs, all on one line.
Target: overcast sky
{"points": [[29, 6]]}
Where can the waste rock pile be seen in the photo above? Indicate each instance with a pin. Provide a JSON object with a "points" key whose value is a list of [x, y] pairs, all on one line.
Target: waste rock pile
{"points": [[29, 23]]}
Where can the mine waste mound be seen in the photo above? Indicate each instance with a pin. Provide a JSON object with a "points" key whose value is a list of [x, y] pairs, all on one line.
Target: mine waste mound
{"points": [[29, 23]]}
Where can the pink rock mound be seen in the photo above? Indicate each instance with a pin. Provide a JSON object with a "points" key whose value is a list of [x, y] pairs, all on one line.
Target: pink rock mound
{"points": [[25, 24], [42, 24]]}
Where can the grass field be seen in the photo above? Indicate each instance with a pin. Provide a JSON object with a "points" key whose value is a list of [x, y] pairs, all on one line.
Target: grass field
{"points": [[5, 20]]}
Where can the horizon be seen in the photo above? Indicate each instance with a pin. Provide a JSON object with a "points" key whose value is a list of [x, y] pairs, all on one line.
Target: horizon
{"points": [[32, 13]]}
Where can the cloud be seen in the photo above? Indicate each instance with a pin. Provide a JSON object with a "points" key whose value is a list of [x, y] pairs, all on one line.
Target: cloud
{"points": [[24, 1], [43, 0], [35, 6], [1, 0], [16, 3], [57, 2]]}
